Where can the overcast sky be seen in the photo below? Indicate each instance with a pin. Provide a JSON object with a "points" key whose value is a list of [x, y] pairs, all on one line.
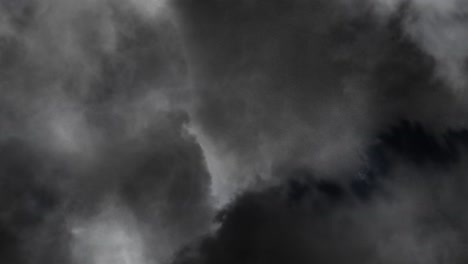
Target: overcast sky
{"points": [[233, 131]]}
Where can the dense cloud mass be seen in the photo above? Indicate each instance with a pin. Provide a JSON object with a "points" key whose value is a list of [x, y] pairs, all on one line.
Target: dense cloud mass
{"points": [[233, 131], [307, 83], [96, 166]]}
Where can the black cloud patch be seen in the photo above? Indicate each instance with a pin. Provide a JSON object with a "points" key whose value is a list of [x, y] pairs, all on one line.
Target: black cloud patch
{"points": [[27, 203], [302, 221]]}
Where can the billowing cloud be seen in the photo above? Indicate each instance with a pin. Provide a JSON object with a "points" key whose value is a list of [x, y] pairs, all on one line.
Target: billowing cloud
{"points": [[311, 90], [124, 125], [404, 206], [96, 164], [304, 83], [439, 28]]}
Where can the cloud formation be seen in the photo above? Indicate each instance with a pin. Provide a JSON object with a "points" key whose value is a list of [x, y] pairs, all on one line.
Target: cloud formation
{"points": [[126, 125], [309, 82], [309, 95], [96, 164]]}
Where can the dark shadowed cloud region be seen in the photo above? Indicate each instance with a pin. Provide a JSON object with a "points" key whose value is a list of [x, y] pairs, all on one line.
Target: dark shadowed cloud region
{"points": [[233, 131]]}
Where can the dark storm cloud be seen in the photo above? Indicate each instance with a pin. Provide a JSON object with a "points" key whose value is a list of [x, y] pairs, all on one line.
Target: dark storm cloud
{"points": [[122, 123], [26, 201], [304, 82], [411, 212], [266, 78], [308, 96], [439, 27], [96, 164]]}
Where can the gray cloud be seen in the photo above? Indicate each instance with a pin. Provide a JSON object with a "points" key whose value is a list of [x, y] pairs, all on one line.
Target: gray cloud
{"points": [[405, 207], [439, 28], [91, 103], [282, 85], [303, 82], [124, 124]]}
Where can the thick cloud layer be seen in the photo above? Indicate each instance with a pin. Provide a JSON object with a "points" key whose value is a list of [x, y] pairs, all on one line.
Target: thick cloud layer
{"points": [[318, 87], [289, 83], [405, 206], [322, 131], [95, 164]]}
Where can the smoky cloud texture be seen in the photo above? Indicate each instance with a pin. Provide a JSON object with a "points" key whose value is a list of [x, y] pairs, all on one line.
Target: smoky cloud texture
{"points": [[322, 87], [310, 83], [233, 131], [96, 164]]}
